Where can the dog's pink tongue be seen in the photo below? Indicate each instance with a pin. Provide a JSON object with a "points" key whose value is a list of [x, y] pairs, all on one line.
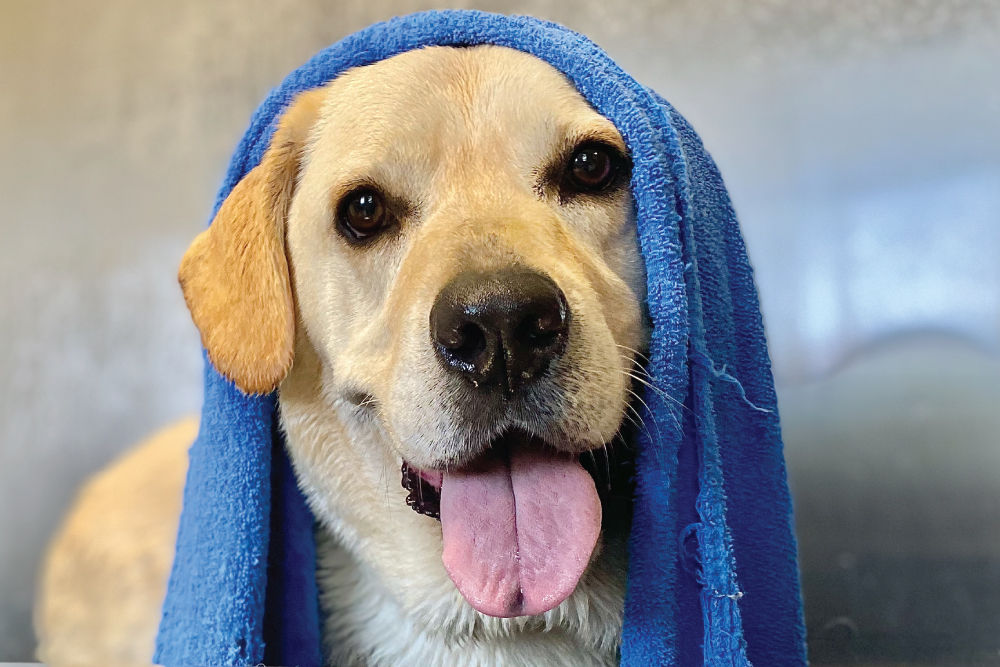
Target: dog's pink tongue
{"points": [[518, 533]]}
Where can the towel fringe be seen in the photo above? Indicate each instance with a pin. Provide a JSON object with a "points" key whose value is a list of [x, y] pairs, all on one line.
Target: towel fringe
{"points": [[720, 373]]}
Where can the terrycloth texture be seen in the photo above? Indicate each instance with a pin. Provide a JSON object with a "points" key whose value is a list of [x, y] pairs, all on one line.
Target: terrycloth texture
{"points": [[712, 574]]}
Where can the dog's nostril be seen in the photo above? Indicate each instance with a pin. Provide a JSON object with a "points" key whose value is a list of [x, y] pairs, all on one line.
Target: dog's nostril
{"points": [[466, 342], [542, 328], [552, 322], [500, 328]]}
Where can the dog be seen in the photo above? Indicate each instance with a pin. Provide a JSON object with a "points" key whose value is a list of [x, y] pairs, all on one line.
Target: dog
{"points": [[435, 264]]}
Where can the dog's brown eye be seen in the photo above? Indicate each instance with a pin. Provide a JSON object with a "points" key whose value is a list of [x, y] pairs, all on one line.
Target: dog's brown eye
{"points": [[362, 213], [591, 168]]}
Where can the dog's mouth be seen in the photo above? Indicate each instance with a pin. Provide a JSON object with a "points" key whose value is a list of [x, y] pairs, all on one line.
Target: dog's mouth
{"points": [[519, 523]]}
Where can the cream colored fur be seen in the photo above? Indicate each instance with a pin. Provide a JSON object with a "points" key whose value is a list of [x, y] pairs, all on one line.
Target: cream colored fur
{"points": [[106, 571], [464, 135]]}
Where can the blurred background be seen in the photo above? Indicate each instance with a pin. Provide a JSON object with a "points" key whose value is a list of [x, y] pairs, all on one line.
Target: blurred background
{"points": [[860, 141]]}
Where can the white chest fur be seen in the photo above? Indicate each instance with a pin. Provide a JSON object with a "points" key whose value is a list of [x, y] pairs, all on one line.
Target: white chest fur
{"points": [[366, 625]]}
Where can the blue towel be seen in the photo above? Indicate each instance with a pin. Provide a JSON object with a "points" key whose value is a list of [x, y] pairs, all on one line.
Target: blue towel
{"points": [[712, 576]]}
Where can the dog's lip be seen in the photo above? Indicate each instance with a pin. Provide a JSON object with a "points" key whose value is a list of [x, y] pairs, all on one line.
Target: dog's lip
{"points": [[432, 477], [423, 495], [424, 485], [435, 476]]}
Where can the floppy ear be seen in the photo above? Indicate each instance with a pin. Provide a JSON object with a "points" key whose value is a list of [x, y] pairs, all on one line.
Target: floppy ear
{"points": [[235, 275]]}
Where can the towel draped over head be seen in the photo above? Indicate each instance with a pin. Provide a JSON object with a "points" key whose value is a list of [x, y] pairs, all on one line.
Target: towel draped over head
{"points": [[712, 576]]}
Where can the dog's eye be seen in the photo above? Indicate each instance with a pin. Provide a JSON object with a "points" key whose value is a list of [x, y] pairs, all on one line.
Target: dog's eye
{"points": [[592, 167], [362, 213]]}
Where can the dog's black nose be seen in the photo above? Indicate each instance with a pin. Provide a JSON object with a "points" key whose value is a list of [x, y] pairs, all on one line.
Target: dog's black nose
{"points": [[500, 329]]}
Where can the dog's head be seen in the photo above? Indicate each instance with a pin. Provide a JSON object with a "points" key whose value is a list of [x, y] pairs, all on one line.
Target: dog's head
{"points": [[436, 261]]}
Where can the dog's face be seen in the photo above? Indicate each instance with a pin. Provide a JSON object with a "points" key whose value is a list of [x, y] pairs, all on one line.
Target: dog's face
{"points": [[444, 244], [462, 159]]}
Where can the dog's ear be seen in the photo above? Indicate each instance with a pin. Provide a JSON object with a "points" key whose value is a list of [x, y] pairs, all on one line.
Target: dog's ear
{"points": [[235, 275]]}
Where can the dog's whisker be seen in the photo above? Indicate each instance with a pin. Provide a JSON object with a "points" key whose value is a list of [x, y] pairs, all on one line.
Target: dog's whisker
{"points": [[634, 421], [659, 392], [637, 421], [607, 467], [649, 411], [670, 401], [649, 383], [633, 351], [640, 374], [657, 451], [659, 435], [386, 492], [636, 366]]}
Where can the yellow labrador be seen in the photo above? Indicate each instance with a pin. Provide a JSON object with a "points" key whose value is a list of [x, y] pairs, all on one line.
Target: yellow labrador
{"points": [[435, 264]]}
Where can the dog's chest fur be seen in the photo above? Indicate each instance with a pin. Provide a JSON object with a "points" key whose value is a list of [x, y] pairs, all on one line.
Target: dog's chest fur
{"points": [[364, 624]]}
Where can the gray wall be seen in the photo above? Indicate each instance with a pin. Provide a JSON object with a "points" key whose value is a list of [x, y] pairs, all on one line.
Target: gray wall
{"points": [[861, 144]]}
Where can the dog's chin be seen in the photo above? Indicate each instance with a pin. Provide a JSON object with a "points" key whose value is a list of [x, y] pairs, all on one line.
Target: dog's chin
{"points": [[520, 522]]}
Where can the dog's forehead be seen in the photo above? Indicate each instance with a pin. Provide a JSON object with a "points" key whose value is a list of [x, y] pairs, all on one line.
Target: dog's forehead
{"points": [[447, 97]]}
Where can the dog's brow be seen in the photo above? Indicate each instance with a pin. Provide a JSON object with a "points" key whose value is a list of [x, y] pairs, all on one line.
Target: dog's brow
{"points": [[603, 133]]}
